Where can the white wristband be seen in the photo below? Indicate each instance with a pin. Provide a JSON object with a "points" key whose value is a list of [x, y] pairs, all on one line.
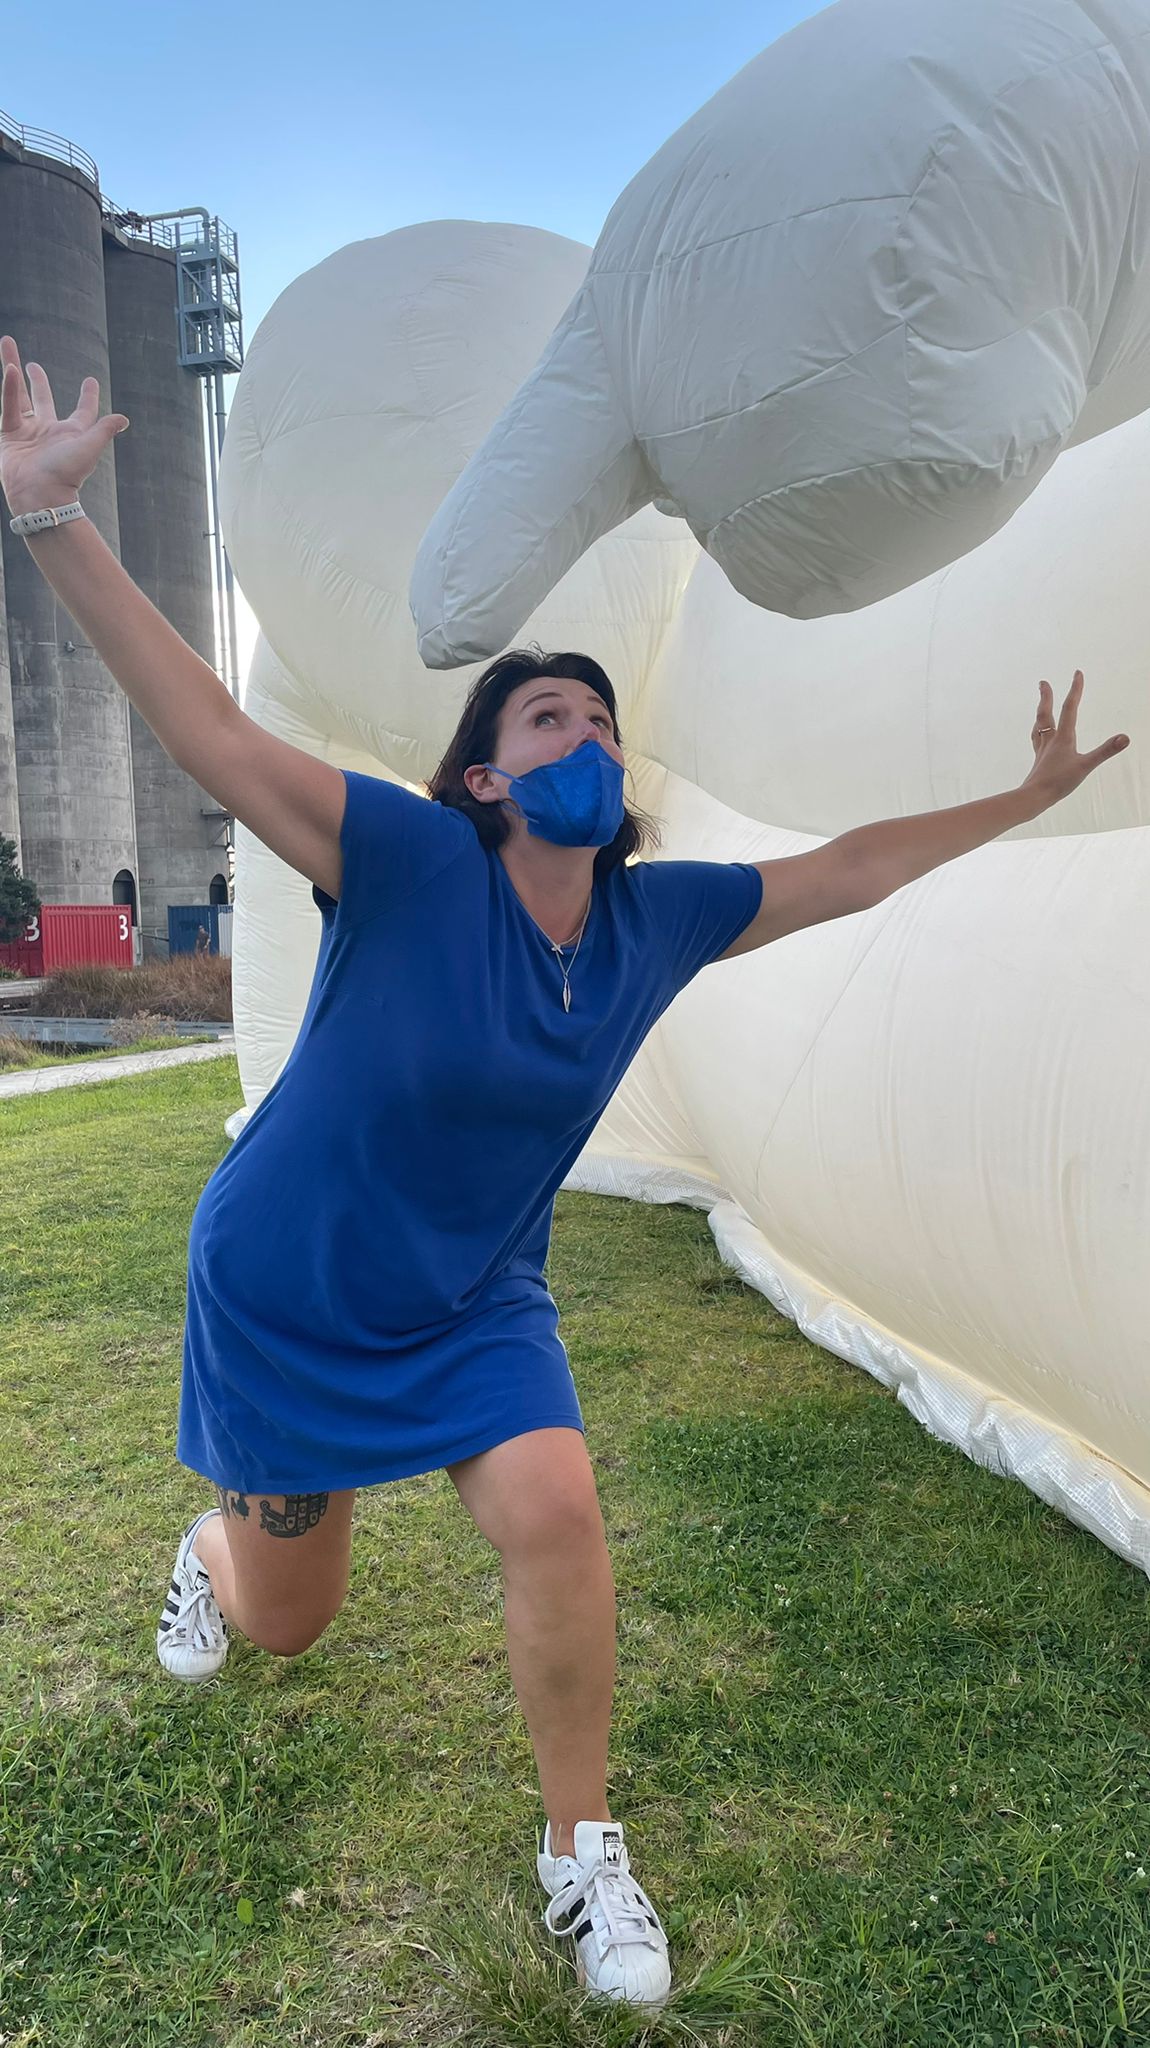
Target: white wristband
{"points": [[42, 522]]}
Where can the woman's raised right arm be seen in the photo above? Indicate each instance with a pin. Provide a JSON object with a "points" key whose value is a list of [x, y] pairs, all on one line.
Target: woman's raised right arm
{"points": [[291, 801]]}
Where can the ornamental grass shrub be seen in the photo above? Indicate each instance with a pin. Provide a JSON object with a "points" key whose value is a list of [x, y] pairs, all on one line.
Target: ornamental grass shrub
{"points": [[189, 986]]}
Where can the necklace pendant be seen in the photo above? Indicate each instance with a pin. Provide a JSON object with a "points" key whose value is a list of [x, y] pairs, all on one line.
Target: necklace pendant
{"points": [[566, 997]]}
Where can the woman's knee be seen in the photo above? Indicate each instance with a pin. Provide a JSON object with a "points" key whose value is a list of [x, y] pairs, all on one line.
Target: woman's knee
{"points": [[286, 1635], [291, 1558], [533, 1495]]}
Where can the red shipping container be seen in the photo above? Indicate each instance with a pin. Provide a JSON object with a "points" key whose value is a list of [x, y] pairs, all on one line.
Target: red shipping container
{"points": [[73, 935]]}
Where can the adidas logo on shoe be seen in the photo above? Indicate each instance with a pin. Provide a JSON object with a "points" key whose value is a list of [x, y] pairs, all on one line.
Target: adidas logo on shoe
{"points": [[620, 1944]]}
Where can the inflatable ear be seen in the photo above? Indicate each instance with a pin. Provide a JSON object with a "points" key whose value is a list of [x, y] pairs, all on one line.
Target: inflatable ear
{"points": [[563, 448], [842, 322]]}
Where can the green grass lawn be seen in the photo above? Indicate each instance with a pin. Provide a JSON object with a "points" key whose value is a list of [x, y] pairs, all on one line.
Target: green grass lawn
{"points": [[882, 1734]]}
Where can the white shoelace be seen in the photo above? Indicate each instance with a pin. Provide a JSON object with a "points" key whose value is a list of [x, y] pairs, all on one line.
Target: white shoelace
{"points": [[622, 1905], [195, 1627]]}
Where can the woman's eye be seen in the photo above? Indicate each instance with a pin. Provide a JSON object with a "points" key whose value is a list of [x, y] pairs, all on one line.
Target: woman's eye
{"points": [[601, 718]]}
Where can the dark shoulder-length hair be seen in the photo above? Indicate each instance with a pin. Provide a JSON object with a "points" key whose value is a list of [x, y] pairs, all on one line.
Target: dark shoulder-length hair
{"points": [[476, 738]]}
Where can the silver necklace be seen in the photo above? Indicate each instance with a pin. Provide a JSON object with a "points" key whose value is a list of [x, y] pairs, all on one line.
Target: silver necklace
{"points": [[559, 951]]}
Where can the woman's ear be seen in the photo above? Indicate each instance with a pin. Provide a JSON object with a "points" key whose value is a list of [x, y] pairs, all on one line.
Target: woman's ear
{"points": [[480, 783]]}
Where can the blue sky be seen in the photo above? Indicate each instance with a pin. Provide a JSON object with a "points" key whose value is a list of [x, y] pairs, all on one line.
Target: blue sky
{"points": [[316, 126]]}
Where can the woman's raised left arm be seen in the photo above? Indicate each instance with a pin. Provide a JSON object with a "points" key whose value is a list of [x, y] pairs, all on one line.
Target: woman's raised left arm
{"points": [[898, 850], [862, 867]]}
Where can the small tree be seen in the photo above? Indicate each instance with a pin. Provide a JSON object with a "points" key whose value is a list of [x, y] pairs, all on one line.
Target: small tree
{"points": [[18, 899]]}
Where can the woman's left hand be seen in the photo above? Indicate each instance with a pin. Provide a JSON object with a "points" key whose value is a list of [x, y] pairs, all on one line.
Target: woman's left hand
{"points": [[1058, 765]]}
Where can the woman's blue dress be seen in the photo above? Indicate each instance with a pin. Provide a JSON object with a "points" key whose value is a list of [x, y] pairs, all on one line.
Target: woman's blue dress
{"points": [[366, 1292]]}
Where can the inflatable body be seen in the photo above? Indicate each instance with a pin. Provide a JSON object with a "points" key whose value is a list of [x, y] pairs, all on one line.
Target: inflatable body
{"points": [[841, 324], [924, 1131]]}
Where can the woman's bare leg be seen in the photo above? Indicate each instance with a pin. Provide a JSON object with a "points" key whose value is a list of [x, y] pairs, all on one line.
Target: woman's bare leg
{"points": [[534, 1498], [279, 1564]]}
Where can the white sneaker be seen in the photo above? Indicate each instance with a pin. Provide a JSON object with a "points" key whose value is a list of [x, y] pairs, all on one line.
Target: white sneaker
{"points": [[192, 1638], [620, 1946]]}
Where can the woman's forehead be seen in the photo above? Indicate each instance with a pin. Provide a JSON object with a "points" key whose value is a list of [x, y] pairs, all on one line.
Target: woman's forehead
{"points": [[552, 686]]}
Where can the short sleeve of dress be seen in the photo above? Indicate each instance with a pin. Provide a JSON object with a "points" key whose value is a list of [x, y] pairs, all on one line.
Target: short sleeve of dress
{"points": [[699, 908], [392, 842]]}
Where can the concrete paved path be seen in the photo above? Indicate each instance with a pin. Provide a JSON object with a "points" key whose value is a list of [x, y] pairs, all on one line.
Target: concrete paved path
{"points": [[77, 1073]]}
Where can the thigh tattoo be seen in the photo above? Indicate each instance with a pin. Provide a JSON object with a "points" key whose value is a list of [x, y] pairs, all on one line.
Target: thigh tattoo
{"points": [[301, 1511]]}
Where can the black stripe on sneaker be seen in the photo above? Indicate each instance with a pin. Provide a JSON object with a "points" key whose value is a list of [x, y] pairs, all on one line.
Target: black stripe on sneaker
{"points": [[164, 1626], [581, 1931]]}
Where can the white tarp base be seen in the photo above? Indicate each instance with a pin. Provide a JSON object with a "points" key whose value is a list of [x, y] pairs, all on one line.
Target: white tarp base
{"points": [[1086, 1487]]}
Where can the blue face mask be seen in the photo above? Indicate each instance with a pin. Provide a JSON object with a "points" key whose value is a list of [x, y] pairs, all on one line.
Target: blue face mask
{"points": [[577, 801]]}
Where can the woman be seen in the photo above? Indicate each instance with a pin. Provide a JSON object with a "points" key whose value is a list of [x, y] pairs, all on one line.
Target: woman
{"points": [[366, 1292]]}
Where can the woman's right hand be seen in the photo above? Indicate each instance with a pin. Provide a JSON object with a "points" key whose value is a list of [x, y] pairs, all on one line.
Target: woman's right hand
{"points": [[43, 460]]}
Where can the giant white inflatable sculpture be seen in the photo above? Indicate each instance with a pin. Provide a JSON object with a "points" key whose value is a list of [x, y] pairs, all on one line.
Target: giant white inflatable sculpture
{"points": [[843, 322], [923, 1131]]}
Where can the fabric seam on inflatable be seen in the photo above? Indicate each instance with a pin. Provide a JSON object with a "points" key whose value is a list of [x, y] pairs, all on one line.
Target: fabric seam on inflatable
{"points": [[897, 464], [782, 391], [817, 1033], [763, 227]]}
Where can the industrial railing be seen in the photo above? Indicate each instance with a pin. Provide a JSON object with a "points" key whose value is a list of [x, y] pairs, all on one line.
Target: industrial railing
{"points": [[166, 232], [137, 224], [170, 231], [56, 146]]}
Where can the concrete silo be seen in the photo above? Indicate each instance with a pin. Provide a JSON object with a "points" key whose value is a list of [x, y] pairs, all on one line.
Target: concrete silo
{"points": [[164, 522], [69, 718], [9, 787], [149, 305]]}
